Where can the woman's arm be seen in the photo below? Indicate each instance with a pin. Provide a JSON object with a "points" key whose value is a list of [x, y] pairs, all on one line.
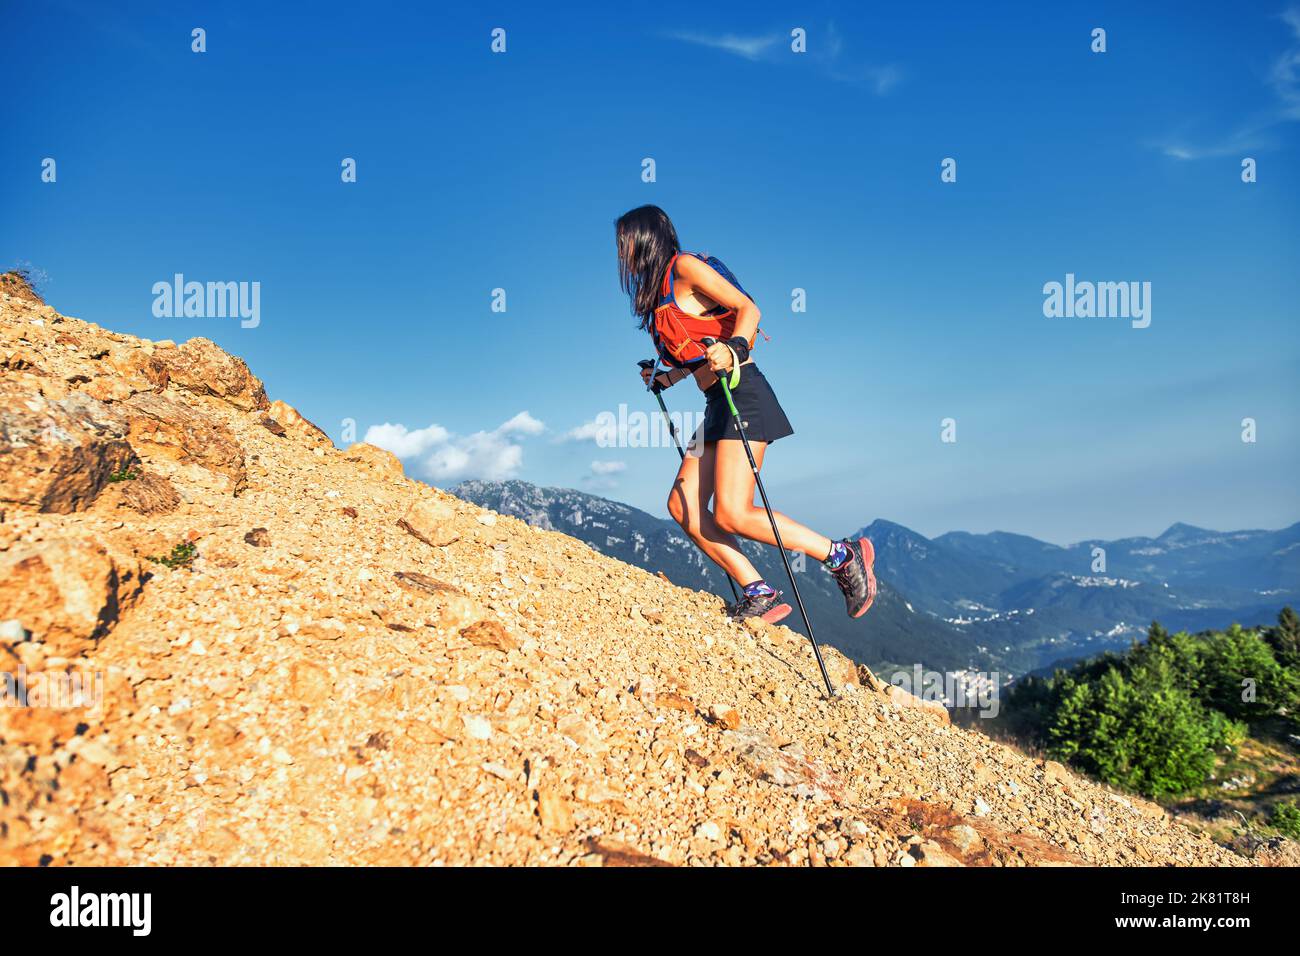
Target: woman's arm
{"points": [[701, 277]]}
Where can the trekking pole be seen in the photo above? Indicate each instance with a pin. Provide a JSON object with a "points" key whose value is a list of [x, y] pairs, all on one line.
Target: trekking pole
{"points": [[672, 430], [758, 480]]}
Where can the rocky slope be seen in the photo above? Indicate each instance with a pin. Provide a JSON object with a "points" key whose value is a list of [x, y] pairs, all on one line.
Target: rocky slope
{"points": [[309, 658]]}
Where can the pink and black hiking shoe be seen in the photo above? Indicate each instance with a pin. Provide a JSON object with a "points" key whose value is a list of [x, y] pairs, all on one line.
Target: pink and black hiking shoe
{"points": [[765, 606], [856, 577]]}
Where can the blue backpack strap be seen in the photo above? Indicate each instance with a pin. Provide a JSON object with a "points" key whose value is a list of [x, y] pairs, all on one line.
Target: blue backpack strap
{"points": [[666, 285]]}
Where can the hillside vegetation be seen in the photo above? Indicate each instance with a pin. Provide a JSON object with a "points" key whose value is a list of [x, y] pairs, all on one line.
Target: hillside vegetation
{"points": [[1208, 716]]}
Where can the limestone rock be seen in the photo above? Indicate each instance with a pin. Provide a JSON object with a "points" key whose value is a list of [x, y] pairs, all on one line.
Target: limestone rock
{"points": [[903, 700], [150, 494], [57, 456], [383, 464], [175, 431], [296, 425], [431, 521], [201, 367], [67, 593], [489, 634]]}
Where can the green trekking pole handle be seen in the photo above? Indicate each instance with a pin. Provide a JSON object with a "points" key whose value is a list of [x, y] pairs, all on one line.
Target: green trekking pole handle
{"points": [[776, 534]]}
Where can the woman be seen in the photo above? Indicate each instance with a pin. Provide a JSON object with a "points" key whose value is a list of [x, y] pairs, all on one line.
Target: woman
{"points": [[680, 299]]}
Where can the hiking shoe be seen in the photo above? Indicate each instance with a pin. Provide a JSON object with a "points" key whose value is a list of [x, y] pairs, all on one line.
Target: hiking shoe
{"points": [[765, 606], [856, 577]]}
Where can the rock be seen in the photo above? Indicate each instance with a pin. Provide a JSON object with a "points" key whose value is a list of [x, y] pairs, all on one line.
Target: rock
{"points": [[296, 425], [108, 388], [708, 830], [58, 455], [860, 854], [23, 360], [724, 715], [965, 838], [258, 538], [758, 753], [1055, 771], [695, 758], [855, 829], [423, 584], [67, 593], [431, 521], [903, 700], [176, 432], [931, 854], [383, 464], [553, 810], [478, 728], [150, 494], [670, 700], [581, 731], [613, 853], [489, 634], [309, 682], [843, 672], [201, 367]]}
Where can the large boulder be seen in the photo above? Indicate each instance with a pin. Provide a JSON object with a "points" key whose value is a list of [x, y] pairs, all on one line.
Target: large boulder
{"points": [[172, 430], [201, 367], [431, 521], [65, 593], [380, 462], [57, 455]]}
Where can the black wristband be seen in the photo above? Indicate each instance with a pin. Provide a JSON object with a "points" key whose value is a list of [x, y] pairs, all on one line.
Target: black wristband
{"points": [[740, 346]]}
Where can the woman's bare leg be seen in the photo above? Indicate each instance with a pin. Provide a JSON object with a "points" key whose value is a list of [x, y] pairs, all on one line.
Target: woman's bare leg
{"points": [[688, 503], [735, 512]]}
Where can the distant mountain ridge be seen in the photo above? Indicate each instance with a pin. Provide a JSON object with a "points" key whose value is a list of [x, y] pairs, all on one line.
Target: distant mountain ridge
{"points": [[992, 602]]}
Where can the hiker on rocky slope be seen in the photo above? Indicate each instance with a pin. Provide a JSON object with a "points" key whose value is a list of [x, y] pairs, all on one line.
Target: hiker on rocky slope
{"points": [[682, 300]]}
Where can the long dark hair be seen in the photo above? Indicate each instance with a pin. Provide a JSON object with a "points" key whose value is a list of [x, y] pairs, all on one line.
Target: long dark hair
{"points": [[646, 242]]}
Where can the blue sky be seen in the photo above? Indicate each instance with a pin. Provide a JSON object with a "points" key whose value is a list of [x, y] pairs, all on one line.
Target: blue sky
{"points": [[819, 171]]}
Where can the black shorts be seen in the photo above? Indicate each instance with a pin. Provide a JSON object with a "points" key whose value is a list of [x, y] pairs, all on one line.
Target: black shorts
{"points": [[759, 410]]}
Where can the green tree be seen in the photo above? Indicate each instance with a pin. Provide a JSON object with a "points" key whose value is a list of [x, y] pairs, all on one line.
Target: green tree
{"points": [[1241, 677], [1285, 639], [1137, 728]]}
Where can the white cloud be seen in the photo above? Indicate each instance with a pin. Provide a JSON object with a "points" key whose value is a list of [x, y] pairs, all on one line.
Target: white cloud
{"points": [[488, 455], [751, 48], [522, 424], [825, 52], [441, 455], [403, 443], [608, 467], [603, 430], [1284, 80], [1284, 77]]}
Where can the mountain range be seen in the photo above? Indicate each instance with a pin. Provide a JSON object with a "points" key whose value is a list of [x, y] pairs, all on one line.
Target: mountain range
{"points": [[995, 602]]}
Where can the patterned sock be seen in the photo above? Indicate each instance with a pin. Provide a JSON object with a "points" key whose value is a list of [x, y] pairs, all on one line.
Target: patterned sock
{"points": [[839, 554], [759, 588]]}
